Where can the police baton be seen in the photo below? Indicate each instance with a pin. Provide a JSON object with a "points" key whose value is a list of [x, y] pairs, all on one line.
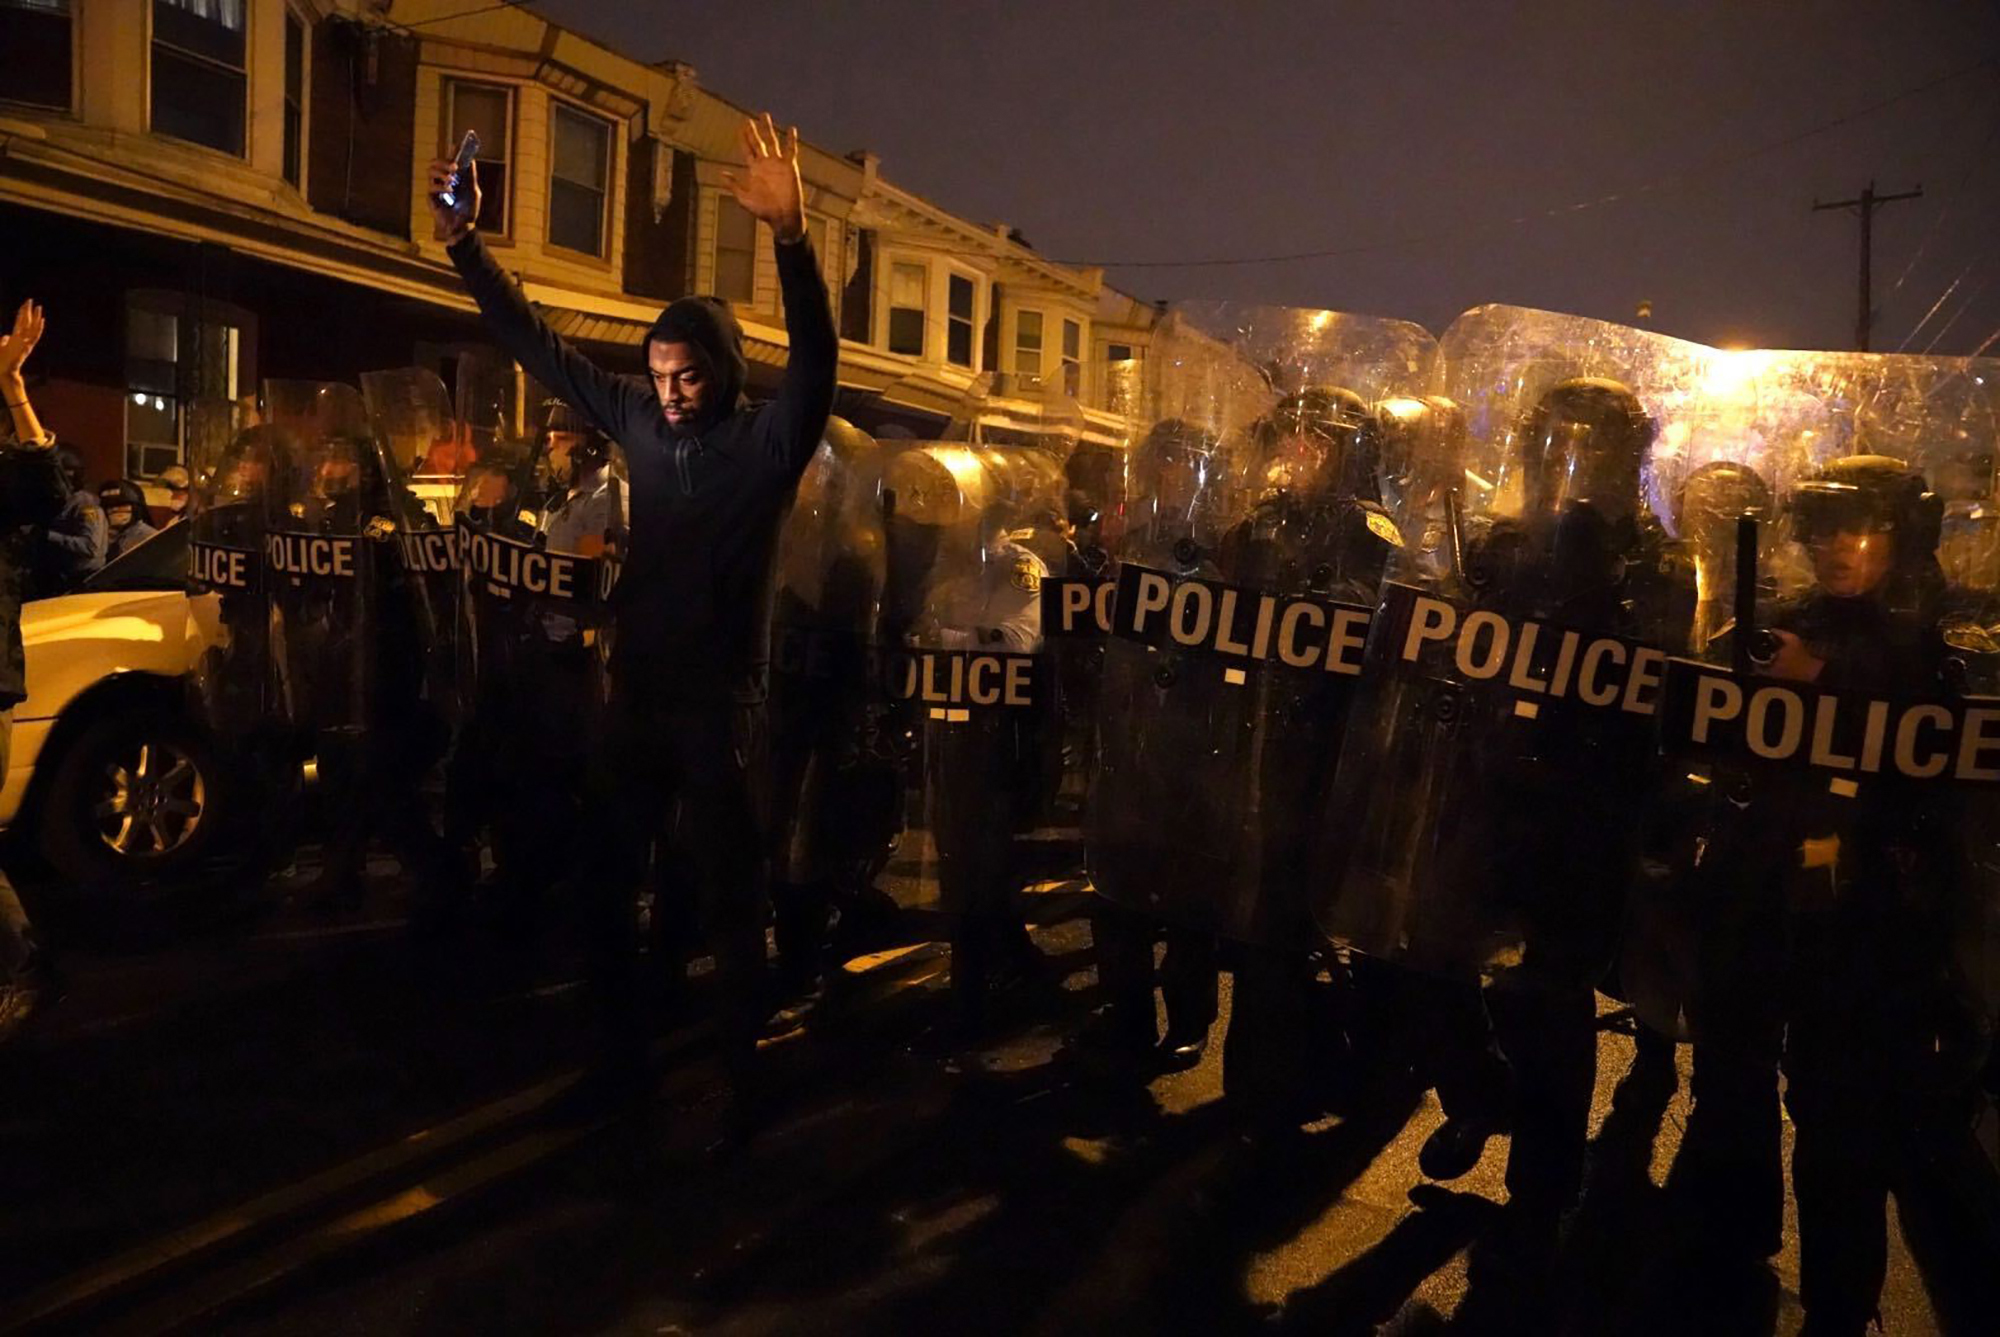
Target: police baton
{"points": [[1755, 647]]}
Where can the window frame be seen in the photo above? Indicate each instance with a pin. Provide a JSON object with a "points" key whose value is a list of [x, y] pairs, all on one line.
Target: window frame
{"points": [[1070, 362], [153, 45], [953, 274], [303, 110], [1041, 340], [173, 306], [75, 79], [601, 256], [890, 308], [747, 302], [448, 135]]}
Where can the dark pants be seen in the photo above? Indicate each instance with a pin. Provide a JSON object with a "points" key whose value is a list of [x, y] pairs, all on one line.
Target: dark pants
{"points": [[1547, 1030], [1855, 1033], [1730, 1162], [1123, 941], [1454, 1047], [705, 758], [1279, 1044], [1564, 886], [17, 936], [374, 787]]}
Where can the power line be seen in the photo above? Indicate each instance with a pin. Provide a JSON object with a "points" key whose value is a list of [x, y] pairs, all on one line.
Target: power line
{"points": [[1938, 305], [1963, 307], [447, 18], [1864, 205], [1578, 206], [1952, 198]]}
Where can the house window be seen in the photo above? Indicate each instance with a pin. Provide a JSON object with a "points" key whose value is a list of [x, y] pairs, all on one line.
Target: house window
{"points": [[1118, 352], [579, 181], [199, 84], [958, 326], [735, 252], [1028, 343], [488, 111], [1072, 357], [295, 95], [906, 308], [169, 362], [35, 60]]}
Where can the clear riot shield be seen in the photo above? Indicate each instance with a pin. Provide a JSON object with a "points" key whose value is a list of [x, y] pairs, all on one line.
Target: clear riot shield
{"points": [[421, 469], [1491, 789], [828, 818], [319, 557], [229, 460], [1254, 543], [492, 458], [959, 661], [1850, 739], [543, 532]]}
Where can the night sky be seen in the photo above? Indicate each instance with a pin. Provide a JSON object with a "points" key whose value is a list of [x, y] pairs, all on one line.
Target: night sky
{"points": [[1177, 131]]}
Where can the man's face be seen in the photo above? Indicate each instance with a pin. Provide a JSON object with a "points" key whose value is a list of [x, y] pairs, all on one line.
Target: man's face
{"points": [[561, 467], [681, 379], [1177, 484], [1295, 463], [117, 513], [337, 477], [1849, 563], [177, 500]]}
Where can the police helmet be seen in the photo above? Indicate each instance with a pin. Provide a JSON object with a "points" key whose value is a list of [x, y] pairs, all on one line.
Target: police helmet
{"points": [[1583, 444], [116, 492], [591, 450], [1718, 492], [1870, 494], [1337, 430]]}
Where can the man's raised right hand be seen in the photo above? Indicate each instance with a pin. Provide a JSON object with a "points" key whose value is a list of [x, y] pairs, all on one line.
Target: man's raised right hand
{"points": [[449, 224]]}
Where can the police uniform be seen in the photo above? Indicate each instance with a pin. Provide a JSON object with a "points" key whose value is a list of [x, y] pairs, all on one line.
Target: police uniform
{"points": [[998, 608], [988, 780]]}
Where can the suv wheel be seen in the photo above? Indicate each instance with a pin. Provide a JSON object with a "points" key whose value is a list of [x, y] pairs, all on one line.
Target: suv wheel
{"points": [[132, 801]]}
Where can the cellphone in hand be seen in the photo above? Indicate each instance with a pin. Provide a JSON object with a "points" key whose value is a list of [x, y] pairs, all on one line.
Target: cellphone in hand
{"points": [[468, 149]]}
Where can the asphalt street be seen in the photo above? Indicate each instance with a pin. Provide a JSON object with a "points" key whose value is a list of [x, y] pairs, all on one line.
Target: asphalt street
{"points": [[268, 1120]]}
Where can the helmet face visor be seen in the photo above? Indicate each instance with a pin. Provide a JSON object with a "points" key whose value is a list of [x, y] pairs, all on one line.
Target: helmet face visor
{"points": [[1576, 464], [1851, 534], [1822, 510]]}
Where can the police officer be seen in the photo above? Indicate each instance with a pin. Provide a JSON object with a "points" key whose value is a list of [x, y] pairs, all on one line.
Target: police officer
{"points": [[1711, 949], [124, 515], [178, 483], [711, 481], [1317, 527], [542, 689], [73, 548], [1872, 883], [986, 782], [1180, 479], [831, 572], [1584, 555], [374, 773]]}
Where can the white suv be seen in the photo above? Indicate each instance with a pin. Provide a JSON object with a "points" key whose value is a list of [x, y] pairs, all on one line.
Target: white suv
{"points": [[109, 775]]}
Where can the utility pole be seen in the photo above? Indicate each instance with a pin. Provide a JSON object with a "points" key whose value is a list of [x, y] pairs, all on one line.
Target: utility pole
{"points": [[1866, 205]]}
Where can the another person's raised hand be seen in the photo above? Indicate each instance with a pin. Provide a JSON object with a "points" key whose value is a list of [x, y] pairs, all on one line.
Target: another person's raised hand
{"points": [[15, 347], [768, 188], [451, 223]]}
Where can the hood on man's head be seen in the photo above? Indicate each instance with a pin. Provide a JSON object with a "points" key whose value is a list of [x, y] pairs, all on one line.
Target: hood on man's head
{"points": [[710, 327]]}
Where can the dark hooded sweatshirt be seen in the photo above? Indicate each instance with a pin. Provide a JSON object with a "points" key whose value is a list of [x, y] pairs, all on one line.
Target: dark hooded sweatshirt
{"points": [[693, 604]]}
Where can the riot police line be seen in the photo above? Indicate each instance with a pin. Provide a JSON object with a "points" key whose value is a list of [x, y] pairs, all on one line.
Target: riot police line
{"points": [[1375, 659]]}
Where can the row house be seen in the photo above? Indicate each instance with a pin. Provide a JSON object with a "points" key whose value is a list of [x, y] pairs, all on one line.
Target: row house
{"points": [[206, 193]]}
